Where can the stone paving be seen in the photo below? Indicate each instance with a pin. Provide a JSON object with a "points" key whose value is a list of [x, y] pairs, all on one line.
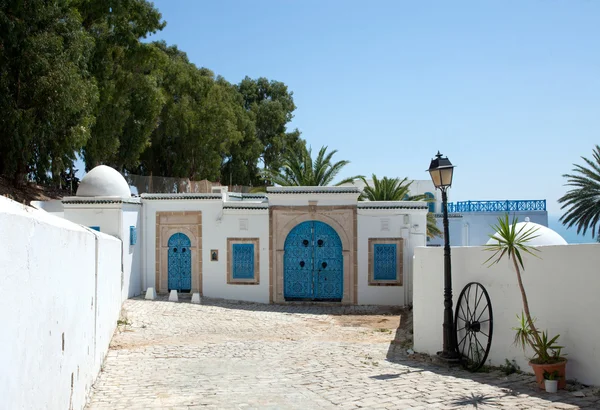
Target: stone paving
{"points": [[224, 355]]}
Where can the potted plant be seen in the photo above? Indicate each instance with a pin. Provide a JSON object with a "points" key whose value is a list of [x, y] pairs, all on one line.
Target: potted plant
{"points": [[511, 240], [551, 381]]}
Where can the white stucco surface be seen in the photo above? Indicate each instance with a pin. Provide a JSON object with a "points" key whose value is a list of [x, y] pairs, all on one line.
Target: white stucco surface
{"points": [[59, 303], [540, 235], [103, 181], [475, 228], [401, 223], [562, 288], [218, 224], [132, 272]]}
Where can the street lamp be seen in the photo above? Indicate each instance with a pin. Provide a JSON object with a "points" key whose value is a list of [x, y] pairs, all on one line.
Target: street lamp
{"points": [[441, 170]]}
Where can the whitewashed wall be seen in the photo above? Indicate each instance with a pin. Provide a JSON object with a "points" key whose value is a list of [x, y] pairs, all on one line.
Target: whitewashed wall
{"points": [[215, 234], [59, 304], [562, 289], [132, 254], [115, 219], [218, 224], [369, 226], [475, 228]]}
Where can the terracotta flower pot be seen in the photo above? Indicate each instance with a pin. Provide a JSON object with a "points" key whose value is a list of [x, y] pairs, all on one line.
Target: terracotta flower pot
{"points": [[539, 369]]}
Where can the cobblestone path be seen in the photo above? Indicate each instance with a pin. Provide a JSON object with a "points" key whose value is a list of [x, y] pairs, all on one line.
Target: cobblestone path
{"points": [[243, 356]]}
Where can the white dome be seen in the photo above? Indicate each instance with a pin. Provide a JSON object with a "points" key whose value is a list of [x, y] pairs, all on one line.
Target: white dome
{"points": [[544, 235], [104, 181]]}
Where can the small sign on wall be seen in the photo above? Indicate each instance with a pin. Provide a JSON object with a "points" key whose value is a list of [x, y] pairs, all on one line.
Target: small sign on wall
{"points": [[214, 255]]}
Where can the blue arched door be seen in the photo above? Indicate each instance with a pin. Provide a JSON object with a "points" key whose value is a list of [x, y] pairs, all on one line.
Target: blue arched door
{"points": [[180, 263], [313, 264]]}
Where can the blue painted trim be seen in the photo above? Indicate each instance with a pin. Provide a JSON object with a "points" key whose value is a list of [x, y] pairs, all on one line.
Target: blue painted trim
{"points": [[430, 205], [95, 228], [497, 206], [385, 261], [242, 261], [132, 235]]}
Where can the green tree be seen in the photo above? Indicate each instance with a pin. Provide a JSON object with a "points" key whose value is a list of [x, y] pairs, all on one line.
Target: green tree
{"points": [[201, 120], [394, 189], [127, 72], [271, 106], [583, 201], [47, 92], [299, 169]]}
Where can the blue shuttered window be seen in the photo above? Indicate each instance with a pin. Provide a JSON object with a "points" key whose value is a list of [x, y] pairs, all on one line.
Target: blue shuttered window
{"points": [[132, 235], [242, 261], [384, 262], [431, 205]]}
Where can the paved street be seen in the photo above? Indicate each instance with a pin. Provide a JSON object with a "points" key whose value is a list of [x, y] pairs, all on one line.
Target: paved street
{"points": [[243, 356]]}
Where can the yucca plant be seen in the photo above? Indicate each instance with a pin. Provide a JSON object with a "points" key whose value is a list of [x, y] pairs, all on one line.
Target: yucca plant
{"points": [[512, 242]]}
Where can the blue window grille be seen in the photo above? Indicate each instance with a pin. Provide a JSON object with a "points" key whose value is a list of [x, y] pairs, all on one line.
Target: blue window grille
{"points": [[384, 262], [132, 235], [95, 228], [242, 261], [431, 205]]}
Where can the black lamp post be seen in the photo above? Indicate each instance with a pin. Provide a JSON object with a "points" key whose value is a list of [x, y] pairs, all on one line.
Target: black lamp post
{"points": [[441, 170]]}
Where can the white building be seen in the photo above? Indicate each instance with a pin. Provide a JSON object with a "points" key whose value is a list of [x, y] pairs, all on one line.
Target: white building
{"points": [[290, 244], [471, 222]]}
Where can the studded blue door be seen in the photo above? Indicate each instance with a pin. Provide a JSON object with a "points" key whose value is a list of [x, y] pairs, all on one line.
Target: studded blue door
{"points": [[313, 263], [180, 263]]}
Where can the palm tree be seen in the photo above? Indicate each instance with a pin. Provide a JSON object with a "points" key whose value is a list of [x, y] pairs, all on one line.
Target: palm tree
{"points": [[583, 201], [299, 169], [394, 189]]}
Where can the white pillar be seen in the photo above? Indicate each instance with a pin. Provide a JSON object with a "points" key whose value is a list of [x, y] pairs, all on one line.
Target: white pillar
{"points": [[173, 296], [196, 298]]}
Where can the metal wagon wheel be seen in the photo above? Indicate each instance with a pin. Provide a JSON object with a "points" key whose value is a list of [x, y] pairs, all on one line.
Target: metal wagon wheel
{"points": [[473, 325]]}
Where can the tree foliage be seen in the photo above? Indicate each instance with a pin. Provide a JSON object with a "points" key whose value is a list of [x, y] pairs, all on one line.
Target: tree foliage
{"points": [[47, 91], [583, 201], [299, 168], [126, 71], [76, 78], [395, 189]]}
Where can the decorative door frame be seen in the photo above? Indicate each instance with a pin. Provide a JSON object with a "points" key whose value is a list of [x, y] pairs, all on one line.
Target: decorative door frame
{"points": [[167, 224], [342, 218]]}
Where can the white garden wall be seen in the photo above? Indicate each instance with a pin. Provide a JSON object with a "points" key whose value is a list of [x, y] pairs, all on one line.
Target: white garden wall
{"points": [[218, 224], [399, 223], [562, 288], [60, 287]]}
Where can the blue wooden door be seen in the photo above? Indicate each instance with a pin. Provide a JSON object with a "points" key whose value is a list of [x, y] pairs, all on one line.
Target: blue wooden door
{"points": [[180, 263], [313, 263]]}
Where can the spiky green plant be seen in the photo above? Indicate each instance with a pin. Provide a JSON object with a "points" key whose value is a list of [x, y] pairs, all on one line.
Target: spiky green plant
{"points": [[583, 201], [299, 169], [395, 189], [512, 241]]}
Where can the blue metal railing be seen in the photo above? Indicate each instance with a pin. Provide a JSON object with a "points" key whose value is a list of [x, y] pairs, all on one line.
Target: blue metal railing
{"points": [[497, 206]]}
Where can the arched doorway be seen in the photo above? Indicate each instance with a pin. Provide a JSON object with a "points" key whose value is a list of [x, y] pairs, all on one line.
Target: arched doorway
{"points": [[180, 263], [313, 263]]}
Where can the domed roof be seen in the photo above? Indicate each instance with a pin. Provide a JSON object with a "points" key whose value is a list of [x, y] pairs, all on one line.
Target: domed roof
{"points": [[104, 181], [544, 235]]}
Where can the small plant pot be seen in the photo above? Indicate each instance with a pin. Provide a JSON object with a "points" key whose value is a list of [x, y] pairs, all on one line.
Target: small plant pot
{"points": [[559, 367], [551, 385]]}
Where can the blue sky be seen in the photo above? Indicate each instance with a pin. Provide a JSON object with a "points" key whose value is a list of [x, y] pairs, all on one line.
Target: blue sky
{"points": [[509, 90]]}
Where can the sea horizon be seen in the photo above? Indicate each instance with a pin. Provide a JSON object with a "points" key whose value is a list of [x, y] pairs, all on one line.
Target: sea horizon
{"points": [[569, 234]]}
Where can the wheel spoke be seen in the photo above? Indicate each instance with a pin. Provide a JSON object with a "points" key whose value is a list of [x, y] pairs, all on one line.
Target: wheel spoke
{"points": [[483, 311], [465, 336], [477, 304], [475, 300]]}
